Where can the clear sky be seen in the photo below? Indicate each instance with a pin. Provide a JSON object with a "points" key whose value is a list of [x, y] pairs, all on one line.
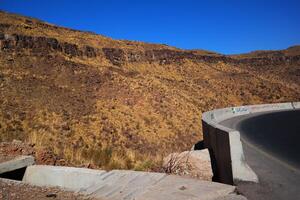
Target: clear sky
{"points": [[228, 26]]}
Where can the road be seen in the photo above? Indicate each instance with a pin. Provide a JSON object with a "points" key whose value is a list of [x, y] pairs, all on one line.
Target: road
{"points": [[271, 144]]}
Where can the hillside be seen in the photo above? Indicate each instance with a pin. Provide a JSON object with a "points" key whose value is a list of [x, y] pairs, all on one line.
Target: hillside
{"points": [[109, 103]]}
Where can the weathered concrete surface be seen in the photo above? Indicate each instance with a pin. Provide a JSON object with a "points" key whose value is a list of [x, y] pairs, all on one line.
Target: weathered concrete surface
{"points": [[190, 164], [296, 105], [175, 188], [17, 163], [224, 143], [240, 169], [225, 113], [270, 107], [232, 197], [68, 177], [218, 115], [126, 185]]}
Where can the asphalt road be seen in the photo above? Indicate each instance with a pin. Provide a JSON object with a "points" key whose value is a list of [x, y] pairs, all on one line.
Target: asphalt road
{"points": [[271, 144]]}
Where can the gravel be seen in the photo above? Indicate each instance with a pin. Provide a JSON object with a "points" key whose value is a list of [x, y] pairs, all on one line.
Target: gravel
{"points": [[11, 190]]}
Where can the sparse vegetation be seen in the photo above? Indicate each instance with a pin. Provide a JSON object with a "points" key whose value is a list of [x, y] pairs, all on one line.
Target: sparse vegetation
{"points": [[176, 163]]}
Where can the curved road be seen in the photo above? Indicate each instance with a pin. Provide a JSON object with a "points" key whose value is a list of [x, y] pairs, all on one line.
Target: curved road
{"points": [[271, 144]]}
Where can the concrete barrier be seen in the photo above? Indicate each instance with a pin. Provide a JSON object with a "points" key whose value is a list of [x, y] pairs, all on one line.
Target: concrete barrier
{"points": [[296, 105], [17, 163], [270, 107], [224, 144], [125, 184], [70, 178]]}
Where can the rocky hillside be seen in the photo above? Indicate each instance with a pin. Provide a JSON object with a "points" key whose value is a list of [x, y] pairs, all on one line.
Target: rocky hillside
{"points": [[121, 104]]}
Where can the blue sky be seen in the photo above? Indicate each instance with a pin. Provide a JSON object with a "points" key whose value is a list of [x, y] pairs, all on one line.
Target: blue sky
{"points": [[229, 27]]}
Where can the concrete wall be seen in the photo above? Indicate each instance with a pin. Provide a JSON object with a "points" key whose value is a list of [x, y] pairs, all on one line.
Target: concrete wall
{"points": [[126, 184], [296, 105], [70, 178], [224, 144]]}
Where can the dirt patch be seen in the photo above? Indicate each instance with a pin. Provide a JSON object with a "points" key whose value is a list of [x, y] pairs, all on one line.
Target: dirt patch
{"points": [[16, 190], [11, 150]]}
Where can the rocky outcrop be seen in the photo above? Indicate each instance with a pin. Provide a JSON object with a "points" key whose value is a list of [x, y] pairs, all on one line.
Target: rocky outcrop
{"points": [[270, 60], [167, 56], [43, 45], [162, 56], [118, 56], [90, 52]]}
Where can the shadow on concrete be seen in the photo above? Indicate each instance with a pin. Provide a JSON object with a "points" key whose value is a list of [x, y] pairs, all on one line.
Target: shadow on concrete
{"points": [[17, 174], [199, 145]]}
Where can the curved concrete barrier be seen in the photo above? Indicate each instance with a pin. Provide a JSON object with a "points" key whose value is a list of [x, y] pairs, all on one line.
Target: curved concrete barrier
{"points": [[224, 144]]}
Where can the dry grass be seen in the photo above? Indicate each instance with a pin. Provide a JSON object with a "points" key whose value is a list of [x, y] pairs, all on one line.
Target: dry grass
{"points": [[176, 163]]}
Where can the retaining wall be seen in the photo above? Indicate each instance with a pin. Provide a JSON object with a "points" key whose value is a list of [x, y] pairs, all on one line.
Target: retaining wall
{"points": [[224, 144]]}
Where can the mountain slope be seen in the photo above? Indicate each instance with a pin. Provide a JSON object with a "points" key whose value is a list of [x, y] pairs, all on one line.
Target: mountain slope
{"points": [[122, 104]]}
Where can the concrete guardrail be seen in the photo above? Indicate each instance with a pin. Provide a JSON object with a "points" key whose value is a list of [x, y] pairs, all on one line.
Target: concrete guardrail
{"points": [[224, 144]]}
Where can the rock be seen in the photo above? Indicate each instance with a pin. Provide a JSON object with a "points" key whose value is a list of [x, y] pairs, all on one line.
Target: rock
{"points": [[115, 56], [90, 52], [43, 45], [51, 195], [71, 49], [189, 163]]}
